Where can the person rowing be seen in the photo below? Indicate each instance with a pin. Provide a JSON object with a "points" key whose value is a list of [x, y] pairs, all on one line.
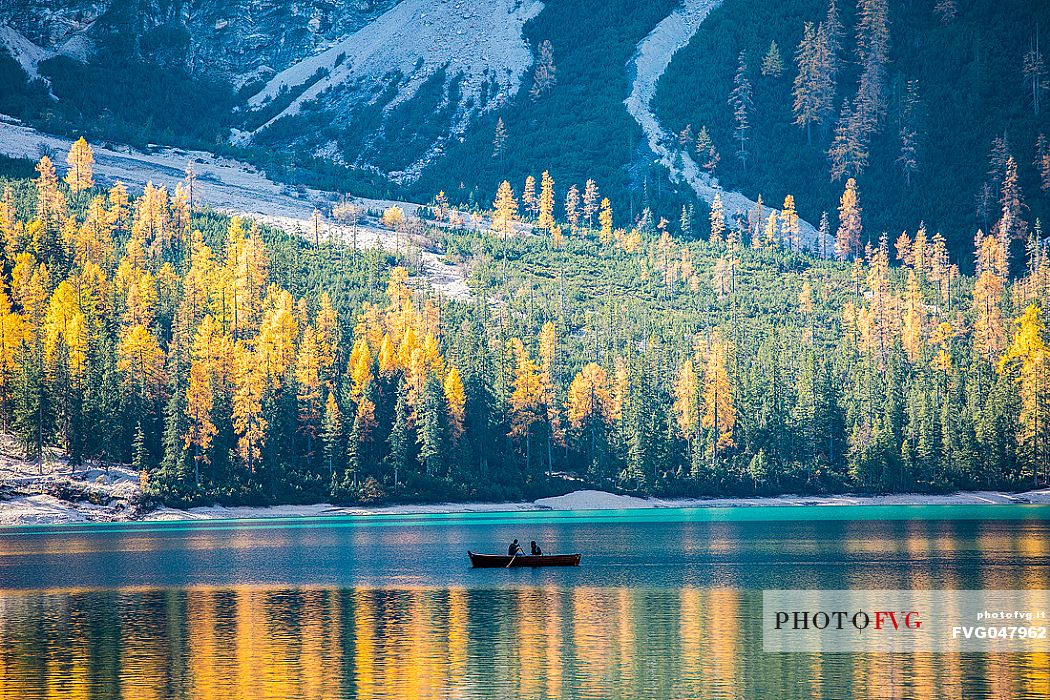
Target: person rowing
{"points": [[515, 549]]}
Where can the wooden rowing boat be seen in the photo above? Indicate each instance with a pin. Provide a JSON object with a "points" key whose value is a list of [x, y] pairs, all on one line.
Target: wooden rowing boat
{"points": [[504, 561]]}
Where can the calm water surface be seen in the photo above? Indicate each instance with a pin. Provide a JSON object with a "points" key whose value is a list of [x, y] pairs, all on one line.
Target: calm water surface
{"points": [[666, 604]]}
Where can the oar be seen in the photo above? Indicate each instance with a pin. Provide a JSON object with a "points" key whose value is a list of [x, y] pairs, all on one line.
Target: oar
{"points": [[511, 561]]}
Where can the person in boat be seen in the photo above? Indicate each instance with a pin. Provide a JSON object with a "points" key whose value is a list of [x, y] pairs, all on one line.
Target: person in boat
{"points": [[536, 551], [515, 549]]}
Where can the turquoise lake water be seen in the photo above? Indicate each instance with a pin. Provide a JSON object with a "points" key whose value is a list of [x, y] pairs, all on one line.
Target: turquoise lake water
{"points": [[666, 604]]}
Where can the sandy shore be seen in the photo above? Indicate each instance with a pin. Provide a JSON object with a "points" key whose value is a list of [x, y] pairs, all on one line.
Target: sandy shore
{"points": [[114, 497]]}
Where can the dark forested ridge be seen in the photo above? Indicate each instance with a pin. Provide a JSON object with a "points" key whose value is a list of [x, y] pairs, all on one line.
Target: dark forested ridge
{"points": [[919, 101], [238, 364], [953, 88]]}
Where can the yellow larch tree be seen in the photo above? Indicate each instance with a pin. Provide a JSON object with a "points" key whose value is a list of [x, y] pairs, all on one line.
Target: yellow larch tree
{"points": [[590, 405], [526, 401], [360, 368], [177, 231], [68, 232], [921, 253], [771, 233], [529, 203], [199, 402], [1028, 359], [247, 276], [249, 388], [277, 335], [408, 345], [14, 332], [847, 237], [557, 239], [80, 160], [140, 361], [805, 305], [719, 411], [548, 351], [789, 235], [686, 400], [432, 357], [941, 338], [9, 223], [989, 327], [64, 324], [327, 325], [370, 325], [35, 294], [365, 419], [880, 323], [150, 223], [387, 356], [213, 345], [548, 341], [632, 242], [199, 280], [21, 272], [504, 210], [93, 241], [50, 203], [589, 398], [942, 271], [590, 201], [93, 294], [903, 245], [546, 202], [139, 290], [457, 402], [605, 221], [393, 217], [913, 325], [119, 206]]}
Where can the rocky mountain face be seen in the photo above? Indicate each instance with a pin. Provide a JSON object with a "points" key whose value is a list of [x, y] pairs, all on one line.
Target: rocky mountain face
{"points": [[381, 86], [239, 40], [401, 87]]}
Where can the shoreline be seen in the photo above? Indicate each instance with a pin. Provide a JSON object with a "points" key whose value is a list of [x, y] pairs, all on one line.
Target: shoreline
{"points": [[592, 500], [47, 509]]}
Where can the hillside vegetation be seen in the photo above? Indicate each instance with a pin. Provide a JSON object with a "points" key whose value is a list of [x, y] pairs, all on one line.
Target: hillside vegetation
{"points": [[577, 127], [238, 364], [950, 85]]}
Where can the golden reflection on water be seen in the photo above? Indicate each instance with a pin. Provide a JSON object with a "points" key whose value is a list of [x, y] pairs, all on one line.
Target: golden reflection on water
{"points": [[450, 643]]}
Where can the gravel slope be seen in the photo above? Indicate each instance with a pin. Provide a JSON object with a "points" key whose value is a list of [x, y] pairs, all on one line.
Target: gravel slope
{"points": [[652, 56], [479, 45]]}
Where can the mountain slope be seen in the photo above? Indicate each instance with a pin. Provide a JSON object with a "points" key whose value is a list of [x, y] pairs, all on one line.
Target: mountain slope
{"points": [[971, 90], [445, 61], [233, 39], [580, 128], [654, 54], [402, 100]]}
